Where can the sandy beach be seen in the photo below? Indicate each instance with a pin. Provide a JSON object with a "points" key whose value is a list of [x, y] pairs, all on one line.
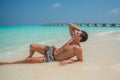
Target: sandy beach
{"points": [[101, 62]]}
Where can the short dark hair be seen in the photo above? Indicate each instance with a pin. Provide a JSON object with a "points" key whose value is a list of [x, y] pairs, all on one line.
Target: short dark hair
{"points": [[84, 36]]}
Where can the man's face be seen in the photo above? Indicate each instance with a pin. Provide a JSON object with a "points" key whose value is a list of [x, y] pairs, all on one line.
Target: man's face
{"points": [[77, 35]]}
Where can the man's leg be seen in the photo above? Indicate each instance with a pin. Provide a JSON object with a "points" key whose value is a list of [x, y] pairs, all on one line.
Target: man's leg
{"points": [[28, 60], [36, 47]]}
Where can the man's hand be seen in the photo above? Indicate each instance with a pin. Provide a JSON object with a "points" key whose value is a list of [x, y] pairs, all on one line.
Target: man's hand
{"points": [[72, 29], [62, 63]]}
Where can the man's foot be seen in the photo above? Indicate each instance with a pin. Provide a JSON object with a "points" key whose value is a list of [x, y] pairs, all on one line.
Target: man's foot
{"points": [[2, 63]]}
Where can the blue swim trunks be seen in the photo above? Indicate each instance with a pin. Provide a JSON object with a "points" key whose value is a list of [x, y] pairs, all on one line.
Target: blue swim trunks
{"points": [[49, 53]]}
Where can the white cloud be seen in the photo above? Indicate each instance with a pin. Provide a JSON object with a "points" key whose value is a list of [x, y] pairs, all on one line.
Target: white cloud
{"points": [[56, 5], [115, 11]]}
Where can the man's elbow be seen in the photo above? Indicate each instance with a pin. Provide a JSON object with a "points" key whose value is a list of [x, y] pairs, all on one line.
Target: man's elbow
{"points": [[70, 25], [80, 60]]}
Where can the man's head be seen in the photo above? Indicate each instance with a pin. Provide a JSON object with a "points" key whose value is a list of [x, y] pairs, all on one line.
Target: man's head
{"points": [[84, 36], [81, 36]]}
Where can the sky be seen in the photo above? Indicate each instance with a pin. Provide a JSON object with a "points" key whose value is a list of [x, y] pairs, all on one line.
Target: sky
{"points": [[37, 12]]}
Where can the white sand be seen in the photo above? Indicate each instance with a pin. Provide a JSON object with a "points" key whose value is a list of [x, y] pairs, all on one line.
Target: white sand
{"points": [[101, 62]]}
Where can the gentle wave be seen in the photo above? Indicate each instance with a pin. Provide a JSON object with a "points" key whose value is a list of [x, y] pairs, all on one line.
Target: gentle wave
{"points": [[116, 32], [10, 50], [110, 35]]}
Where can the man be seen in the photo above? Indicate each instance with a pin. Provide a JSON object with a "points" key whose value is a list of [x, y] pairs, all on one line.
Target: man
{"points": [[64, 54]]}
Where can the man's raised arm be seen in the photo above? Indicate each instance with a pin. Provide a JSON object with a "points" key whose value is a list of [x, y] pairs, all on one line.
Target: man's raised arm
{"points": [[72, 28]]}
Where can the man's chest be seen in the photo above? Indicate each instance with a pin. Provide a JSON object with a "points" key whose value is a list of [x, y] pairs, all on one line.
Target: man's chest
{"points": [[69, 49]]}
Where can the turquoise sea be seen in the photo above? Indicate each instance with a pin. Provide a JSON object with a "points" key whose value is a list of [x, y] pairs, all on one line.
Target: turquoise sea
{"points": [[15, 38]]}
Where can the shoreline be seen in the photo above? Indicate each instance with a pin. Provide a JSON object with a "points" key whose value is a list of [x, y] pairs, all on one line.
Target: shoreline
{"points": [[100, 54]]}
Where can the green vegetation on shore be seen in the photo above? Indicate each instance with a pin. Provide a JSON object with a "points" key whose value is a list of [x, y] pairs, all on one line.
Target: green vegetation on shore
{"points": [[85, 24]]}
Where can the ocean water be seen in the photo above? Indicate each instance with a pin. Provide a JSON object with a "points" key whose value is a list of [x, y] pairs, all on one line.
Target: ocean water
{"points": [[15, 38]]}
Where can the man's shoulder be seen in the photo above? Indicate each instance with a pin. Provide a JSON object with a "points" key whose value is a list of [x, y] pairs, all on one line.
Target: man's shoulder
{"points": [[77, 48]]}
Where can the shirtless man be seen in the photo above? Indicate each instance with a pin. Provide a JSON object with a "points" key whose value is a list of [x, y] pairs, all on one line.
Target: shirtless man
{"points": [[64, 54]]}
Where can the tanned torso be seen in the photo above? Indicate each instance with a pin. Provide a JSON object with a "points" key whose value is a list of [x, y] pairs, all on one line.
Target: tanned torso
{"points": [[67, 51]]}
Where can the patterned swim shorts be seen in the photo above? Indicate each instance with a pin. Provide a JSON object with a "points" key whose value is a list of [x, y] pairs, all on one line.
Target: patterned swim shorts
{"points": [[49, 53]]}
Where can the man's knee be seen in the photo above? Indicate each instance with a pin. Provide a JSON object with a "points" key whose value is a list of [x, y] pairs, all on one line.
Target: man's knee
{"points": [[32, 46]]}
